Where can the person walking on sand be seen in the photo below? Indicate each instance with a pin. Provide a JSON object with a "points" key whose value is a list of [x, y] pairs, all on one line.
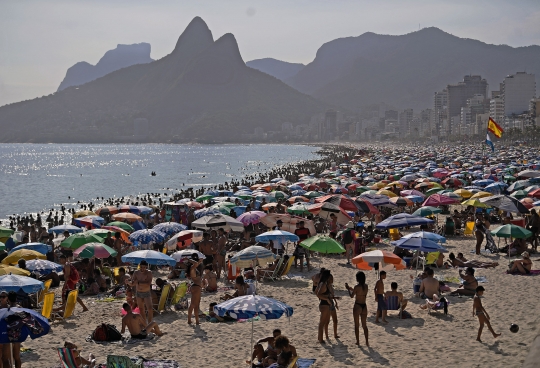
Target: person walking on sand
{"points": [[480, 312], [379, 298], [142, 280], [359, 292]]}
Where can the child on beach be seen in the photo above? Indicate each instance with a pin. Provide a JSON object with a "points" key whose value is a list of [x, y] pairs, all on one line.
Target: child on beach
{"points": [[379, 298], [480, 312]]}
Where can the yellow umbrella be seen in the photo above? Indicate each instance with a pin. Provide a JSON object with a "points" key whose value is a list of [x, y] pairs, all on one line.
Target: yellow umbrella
{"points": [[475, 203], [83, 214], [481, 195], [387, 193], [6, 270], [463, 193], [27, 254], [378, 185], [396, 184], [435, 185]]}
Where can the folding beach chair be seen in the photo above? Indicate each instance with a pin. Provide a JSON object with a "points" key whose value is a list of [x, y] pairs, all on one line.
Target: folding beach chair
{"points": [[67, 358], [163, 298], [431, 259], [287, 268], [469, 228], [273, 275], [48, 302], [46, 287], [443, 304], [392, 303], [69, 308], [178, 296]]}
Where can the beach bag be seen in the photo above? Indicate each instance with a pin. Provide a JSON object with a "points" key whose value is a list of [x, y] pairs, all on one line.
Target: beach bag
{"points": [[106, 332]]}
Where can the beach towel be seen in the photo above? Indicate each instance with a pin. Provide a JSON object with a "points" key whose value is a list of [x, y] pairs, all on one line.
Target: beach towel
{"points": [[157, 363], [533, 272], [305, 363]]}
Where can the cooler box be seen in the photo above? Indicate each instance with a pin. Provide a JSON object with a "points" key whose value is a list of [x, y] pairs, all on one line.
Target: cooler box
{"points": [[520, 221]]}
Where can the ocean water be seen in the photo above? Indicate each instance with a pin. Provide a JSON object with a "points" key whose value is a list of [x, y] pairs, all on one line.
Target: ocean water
{"points": [[39, 177]]}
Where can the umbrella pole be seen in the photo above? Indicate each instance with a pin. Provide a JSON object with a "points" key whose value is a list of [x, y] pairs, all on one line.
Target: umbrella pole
{"points": [[251, 345]]}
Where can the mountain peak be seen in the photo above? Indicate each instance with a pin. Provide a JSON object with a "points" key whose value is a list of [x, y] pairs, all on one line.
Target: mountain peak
{"points": [[196, 34], [227, 44]]}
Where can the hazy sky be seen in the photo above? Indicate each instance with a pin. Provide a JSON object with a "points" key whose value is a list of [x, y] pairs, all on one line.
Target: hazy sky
{"points": [[41, 39]]}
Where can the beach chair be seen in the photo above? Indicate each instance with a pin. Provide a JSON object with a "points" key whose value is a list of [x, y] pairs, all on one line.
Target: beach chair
{"points": [[469, 228], [273, 275], [392, 303], [431, 259], [69, 308], [120, 361], [178, 296], [48, 302], [163, 298], [443, 304], [46, 287], [292, 363], [393, 234], [287, 267], [67, 358]]}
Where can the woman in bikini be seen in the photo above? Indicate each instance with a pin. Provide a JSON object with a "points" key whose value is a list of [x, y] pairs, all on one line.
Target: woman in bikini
{"points": [[196, 287], [325, 296], [333, 308], [316, 278], [360, 308], [469, 283]]}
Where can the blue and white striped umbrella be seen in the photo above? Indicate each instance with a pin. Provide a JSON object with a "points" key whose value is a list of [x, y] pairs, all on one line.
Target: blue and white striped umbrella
{"points": [[42, 266], [38, 247], [418, 244], [150, 256], [426, 235], [252, 255], [61, 228], [147, 236], [279, 235], [249, 306], [15, 283], [170, 228], [206, 212], [145, 210]]}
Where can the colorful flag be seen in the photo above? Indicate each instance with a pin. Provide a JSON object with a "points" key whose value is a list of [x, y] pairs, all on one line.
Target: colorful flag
{"points": [[490, 143], [495, 128]]}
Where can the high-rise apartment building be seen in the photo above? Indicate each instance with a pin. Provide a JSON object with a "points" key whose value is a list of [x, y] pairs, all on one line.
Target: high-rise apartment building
{"points": [[458, 94], [517, 91], [440, 110], [496, 109]]}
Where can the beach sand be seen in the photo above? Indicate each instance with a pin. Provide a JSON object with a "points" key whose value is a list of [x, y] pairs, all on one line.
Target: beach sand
{"points": [[424, 340]]}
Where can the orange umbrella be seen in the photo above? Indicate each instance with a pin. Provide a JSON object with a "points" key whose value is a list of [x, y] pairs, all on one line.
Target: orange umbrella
{"points": [[298, 199], [127, 216], [387, 260], [268, 205]]}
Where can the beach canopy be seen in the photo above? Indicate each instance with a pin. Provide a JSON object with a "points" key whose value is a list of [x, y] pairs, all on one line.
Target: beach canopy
{"points": [[250, 306], [216, 221], [385, 259], [505, 203], [277, 235], [29, 324], [418, 244], [150, 256], [62, 228], [16, 283], [252, 255], [251, 217], [403, 220], [322, 244], [426, 235], [511, 231]]}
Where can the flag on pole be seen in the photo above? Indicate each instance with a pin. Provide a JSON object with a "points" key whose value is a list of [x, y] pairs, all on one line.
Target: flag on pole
{"points": [[495, 128], [490, 143]]}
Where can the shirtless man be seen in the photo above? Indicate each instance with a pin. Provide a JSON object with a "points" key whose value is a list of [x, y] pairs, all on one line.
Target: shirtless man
{"points": [[221, 252], [142, 280], [429, 286], [136, 324], [270, 354], [210, 279], [480, 312], [118, 244], [379, 298], [206, 247], [394, 292]]}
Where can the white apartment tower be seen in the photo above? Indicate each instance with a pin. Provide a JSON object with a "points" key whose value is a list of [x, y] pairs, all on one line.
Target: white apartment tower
{"points": [[517, 91]]}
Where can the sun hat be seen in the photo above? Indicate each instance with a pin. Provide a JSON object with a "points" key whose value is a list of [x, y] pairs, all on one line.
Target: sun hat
{"points": [[350, 225]]}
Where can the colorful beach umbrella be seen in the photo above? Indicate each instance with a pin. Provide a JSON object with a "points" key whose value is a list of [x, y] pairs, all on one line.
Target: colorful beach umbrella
{"points": [[17, 283], [169, 228], [98, 250], [121, 225], [367, 260], [76, 241], [150, 256], [147, 236]]}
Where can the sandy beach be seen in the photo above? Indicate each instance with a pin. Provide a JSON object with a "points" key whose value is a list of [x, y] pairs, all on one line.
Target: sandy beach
{"points": [[421, 341]]}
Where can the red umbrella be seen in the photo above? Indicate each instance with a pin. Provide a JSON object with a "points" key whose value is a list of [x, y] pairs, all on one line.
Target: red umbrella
{"points": [[345, 202], [436, 200], [453, 182], [535, 193], [193, 204], [366, 206]]}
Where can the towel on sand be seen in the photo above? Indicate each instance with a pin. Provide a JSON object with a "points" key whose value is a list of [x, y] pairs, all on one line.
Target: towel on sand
{"points": [[305, 363]]}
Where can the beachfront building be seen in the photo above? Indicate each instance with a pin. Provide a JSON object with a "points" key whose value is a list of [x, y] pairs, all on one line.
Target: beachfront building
{"points": [[496, 109], [426, 122], [405, 118], [440, 111], [534, 112], [459, 93], [517, 91]]}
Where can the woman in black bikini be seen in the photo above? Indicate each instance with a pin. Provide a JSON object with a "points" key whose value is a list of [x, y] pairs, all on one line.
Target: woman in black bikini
{"points": [[196, 287], [324, 294], [360, 308], [333, 308]]}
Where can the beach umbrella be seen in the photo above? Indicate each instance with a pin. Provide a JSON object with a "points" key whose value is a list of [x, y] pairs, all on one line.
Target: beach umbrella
{"points": [[147, 236], [252, 255], [204, 197], [385, 259], [324, 210], [299, 209], [43, 267], [451, 195], [38, 247], [481, 194], [439, 200], [145, 210], [403, 220], [426, 235], [433, 191], [98, 250], [76, 241], [216, 221], [454, 182], [387, 193], [297, 199], [129, 208], [527, 202], [289, 222], [194, 235], [322, 244], [534, 193], [418, 244], [194, 204], [505, 203], [206, 212], [520, 184], [495, 187], [83, 214], [511, 231], [251, 306], [16, 283], [107, 210], [426, 211], [529, 174], [27, 323], [342, 201], [151, 256], [26, 254], [102, 233], [475, 203], [169, 228], [365, 206], [411, 192], [88, 221], [415, 199], [5, 232], [223, 207], [186, 253], [126, 216], [12, 270], [519, 194], [401, 201], [62, 228], [251, 217], [375, 199], [277, 235], [122, 225]]}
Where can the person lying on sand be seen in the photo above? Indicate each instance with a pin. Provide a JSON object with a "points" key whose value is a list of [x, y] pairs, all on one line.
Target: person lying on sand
{"points": [[269, 355], [523, 265], [469, 283], [136, 325], [462, 262]]}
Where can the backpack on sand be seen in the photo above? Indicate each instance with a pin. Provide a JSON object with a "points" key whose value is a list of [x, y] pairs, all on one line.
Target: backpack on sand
{"points": [[106, 332]]}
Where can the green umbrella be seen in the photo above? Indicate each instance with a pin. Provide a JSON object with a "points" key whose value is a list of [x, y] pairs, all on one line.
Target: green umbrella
{"points": [[244, 196], [511, 231], [224, 207], [278, 194], [122, 225], [5, 232], [76, 241], [433, 191], [427, 211], [362, 189], [203, 198], [322, 244], [519, 194], [312, 194], [2, 246], [298, 209]]}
